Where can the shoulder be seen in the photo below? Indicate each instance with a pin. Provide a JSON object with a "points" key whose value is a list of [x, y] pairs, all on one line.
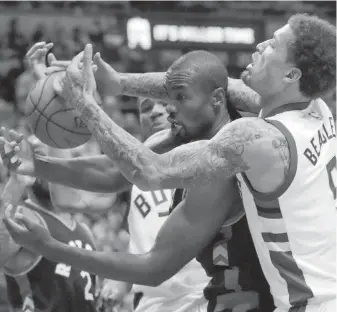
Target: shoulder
{"points": [[252, 141]]}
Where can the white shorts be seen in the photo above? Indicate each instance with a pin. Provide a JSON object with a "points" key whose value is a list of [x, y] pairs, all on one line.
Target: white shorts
{"points": [[326, 306]]}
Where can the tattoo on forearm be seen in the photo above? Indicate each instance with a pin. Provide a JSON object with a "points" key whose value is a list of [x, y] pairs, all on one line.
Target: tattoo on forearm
{"points": [[120, 146], [149, 85], [242, 97], [204, 161], [222, 157]]}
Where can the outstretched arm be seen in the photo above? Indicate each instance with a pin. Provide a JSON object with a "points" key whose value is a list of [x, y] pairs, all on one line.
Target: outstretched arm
{"points": [[12, 193], [198, 216], [151, 85], [72, 200], [242, 97], [236, 148], [89, 173], [69, 199]]}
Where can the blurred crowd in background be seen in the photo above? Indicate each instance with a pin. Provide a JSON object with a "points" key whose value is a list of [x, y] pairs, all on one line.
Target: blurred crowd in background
{"points": [[104, 25]]}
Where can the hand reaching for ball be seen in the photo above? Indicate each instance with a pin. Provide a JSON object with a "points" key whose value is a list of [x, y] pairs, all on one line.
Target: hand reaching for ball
{"points": [[26, 232], [36, 58], [79, 85], [11, 143]]}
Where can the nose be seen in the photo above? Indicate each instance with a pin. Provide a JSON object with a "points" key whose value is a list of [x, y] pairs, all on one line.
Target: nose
{"points": [[262, 46], [170, 108], [155, 114]]}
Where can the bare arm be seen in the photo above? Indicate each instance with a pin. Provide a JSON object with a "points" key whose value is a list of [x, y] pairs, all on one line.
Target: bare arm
{"points": [[245, 145], [12, 193], [73, 200], [151, 85], [242, 97], [198, 216], [236, 148], [93, 173], [90, 173]]}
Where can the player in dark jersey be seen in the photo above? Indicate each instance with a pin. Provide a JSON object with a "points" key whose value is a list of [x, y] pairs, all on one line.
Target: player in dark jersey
{"points": [[229, 259], [37, 284]]}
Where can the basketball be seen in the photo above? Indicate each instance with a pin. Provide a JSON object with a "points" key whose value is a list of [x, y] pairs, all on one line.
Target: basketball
{"points": [[51, 120]]}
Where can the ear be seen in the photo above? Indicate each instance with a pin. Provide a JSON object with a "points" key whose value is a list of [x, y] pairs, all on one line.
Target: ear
{"points": [[293, 75], [218, 97]]}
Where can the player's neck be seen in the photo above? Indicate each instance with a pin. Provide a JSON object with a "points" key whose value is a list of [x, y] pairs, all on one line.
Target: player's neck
{"points": [[217, 125], [272, 104]]}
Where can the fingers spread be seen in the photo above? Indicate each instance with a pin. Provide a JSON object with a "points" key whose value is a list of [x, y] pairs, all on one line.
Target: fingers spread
{"points": [[34, 48]]}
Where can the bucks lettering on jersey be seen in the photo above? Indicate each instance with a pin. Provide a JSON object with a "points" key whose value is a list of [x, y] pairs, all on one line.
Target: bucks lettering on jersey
{"points": [[148, 212], [294, 227]]}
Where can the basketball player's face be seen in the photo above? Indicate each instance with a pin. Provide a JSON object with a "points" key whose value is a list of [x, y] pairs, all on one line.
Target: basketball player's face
{"points": [[270, 67], [153, 116], [189, 111]]}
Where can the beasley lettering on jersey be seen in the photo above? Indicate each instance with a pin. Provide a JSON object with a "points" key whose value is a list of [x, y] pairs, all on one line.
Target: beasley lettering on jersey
{"points": [[326, 133]]}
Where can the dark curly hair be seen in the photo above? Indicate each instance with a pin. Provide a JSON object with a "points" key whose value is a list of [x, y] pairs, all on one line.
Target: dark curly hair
{"points": [[313, 51]]}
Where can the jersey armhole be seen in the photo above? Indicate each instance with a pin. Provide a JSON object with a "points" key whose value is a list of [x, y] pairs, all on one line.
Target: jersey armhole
{"points": [[292, 166], [88, 232]]}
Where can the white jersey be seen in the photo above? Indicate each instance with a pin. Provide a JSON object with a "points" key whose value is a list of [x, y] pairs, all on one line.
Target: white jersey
{"points": [[294, 228], [184, 291]]}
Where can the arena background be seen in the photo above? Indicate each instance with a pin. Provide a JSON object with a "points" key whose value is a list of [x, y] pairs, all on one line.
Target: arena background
{"points": [[134, 36]]}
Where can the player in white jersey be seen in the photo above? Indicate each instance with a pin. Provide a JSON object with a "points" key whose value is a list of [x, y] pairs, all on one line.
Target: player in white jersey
{"points": [[182, 292], [292, 217], [146, 214], [290, 72], [294, 227]]}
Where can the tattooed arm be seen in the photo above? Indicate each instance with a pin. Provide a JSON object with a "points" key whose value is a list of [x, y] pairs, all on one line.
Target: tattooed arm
{"points": [[238, 147], [151, 85], [249, 145], [243, 145], [242, 97]]}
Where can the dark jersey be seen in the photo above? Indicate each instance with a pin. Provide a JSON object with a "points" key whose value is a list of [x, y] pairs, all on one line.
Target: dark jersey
{"points": [[55, 287], [231, 261]]}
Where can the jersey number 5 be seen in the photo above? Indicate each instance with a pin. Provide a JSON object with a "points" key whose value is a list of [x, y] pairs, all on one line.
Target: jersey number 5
{"points": [[331, 168]]}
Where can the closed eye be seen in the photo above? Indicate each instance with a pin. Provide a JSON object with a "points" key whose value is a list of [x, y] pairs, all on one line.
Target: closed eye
{"points": [[180, 97]]}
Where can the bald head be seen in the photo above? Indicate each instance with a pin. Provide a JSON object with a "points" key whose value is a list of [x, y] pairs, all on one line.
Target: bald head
{"points": [[204, 67]]}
